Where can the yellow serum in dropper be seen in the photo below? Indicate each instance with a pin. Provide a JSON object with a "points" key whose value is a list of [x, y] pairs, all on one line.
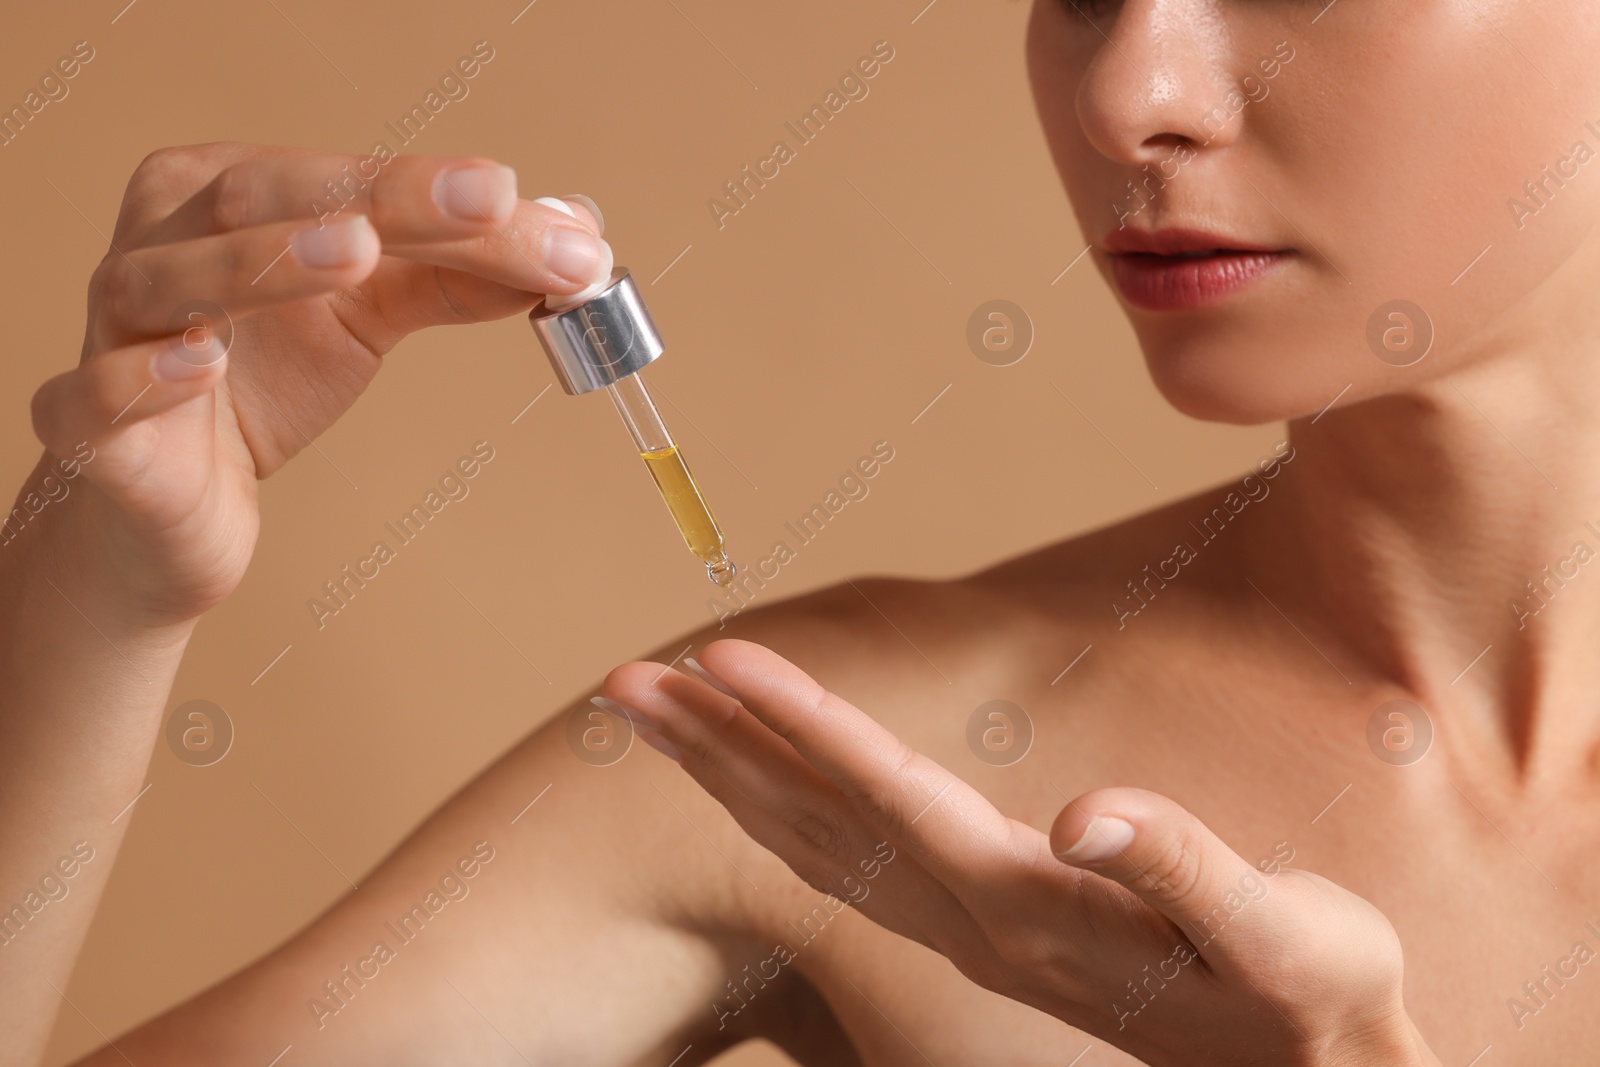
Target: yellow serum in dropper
{"points": [[671, 474], [695, 521]]}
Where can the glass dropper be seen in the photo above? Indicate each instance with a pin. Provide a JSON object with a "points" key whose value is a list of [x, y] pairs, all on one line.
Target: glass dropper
{"points": [[672, 477], [602, 341]]}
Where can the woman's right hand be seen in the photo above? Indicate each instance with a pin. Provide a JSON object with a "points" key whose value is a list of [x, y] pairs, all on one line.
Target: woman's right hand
{"points": [[182, 428]]}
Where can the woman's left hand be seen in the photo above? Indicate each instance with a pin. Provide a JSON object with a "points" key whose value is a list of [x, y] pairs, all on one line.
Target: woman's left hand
{"points": [[1127, 892]]}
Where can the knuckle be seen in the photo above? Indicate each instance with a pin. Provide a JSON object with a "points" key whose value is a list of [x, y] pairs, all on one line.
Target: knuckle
{"points": [[1024, 949], [882, 801], [234, 262], [118, 293], [99, 281], [789, 727], [1174, 870], [162, 169], [233, 199], [451, 305], [44, 411], [882, 812], [167, 177], [98, 406], [701, 748], [823, 831]]}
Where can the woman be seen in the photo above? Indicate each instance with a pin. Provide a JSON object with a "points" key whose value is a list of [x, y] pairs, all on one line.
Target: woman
{"points": [[1364, 659]]}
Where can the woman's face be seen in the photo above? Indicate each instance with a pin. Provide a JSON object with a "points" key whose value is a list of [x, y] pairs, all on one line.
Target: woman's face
{"points": [[1445, 153]]}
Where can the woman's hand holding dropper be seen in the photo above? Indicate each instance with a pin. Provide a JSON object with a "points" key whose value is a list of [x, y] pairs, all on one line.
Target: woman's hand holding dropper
{"points": [[165, 426], [318, 287]]}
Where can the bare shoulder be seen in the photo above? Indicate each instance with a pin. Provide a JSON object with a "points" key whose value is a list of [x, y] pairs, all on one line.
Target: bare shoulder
{"points": [[1100, 633], [875, 634]]}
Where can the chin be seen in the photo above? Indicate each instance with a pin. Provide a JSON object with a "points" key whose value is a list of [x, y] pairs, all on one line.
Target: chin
{"points": [[1237, 380]]}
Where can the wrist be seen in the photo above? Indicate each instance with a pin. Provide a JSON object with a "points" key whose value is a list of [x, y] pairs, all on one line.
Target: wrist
{"points": [[65, 554], [47, 589], [79, 541], [83, 662]]}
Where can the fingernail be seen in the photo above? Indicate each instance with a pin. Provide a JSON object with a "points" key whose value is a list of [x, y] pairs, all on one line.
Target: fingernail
{"points": [[622, 711], [1104, 837], [334, 244], [557, 203], [560, 203], [478, 192], [179, 361], [710, 679], [576, 255], [594, 208], [646, 729], [599, 275]]}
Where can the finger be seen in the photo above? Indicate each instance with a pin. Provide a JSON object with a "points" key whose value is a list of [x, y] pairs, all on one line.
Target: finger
{"points": [[725, 738], [113, 391], [408, 198], [402, 297], [168, 177], [950, 827], [1173, 862], [785, 805], [243, 271], [868, 893], [587, 210], [461, 213], [765, 828], [541, 248]]}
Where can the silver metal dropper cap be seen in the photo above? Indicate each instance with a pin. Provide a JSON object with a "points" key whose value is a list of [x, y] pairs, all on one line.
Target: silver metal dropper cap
{"points": [[605, 338]]}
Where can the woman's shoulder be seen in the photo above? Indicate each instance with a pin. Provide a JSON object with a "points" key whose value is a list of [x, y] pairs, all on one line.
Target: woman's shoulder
{"points": [[1156, 584], [1057, 581]]}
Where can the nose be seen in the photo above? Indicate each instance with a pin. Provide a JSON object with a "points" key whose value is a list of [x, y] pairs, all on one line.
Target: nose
{"points": [[1160, 79]]}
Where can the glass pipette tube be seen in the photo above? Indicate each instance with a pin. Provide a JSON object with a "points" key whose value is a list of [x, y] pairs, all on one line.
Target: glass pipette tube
{"points": [[671, 474]]}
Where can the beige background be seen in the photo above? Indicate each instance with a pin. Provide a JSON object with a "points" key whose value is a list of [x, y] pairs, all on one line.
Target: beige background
{"points": [[802, 332]]}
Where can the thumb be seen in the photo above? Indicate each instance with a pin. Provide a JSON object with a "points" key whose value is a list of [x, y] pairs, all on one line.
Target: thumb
{"points": [[1171, 861]]}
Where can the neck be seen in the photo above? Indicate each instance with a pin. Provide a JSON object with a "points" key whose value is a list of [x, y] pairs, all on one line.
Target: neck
{"points": [[1446, 541]]}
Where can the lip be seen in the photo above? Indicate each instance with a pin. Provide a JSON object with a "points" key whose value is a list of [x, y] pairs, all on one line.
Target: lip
{"points": [[1182, 269]]}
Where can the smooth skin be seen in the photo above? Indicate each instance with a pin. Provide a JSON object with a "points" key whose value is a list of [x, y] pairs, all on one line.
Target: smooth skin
{"points": [[1390, 914], [1311, 975]]}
